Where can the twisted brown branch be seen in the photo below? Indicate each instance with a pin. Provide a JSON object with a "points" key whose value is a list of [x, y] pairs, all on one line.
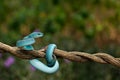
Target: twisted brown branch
{"points": [[73, 56]]}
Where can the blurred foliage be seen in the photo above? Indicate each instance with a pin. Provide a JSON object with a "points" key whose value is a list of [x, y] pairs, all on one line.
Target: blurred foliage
{"points": [[89, 26]]}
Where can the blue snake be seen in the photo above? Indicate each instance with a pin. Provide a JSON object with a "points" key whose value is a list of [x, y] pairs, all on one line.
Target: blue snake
{"points": [[52, 63]]}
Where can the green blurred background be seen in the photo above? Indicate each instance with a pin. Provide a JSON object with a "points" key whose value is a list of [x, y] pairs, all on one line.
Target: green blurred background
{"points": [[73, 25]]}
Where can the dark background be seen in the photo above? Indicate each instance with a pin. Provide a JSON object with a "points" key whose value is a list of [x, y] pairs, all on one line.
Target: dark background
{"points": [[73, 25]]}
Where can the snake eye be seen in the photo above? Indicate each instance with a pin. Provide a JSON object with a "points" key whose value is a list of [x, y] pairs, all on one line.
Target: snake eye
{"points": [[39, 33]]}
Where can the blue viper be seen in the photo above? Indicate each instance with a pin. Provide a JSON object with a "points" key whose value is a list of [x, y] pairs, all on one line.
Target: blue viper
{"points": [[52, 64]]}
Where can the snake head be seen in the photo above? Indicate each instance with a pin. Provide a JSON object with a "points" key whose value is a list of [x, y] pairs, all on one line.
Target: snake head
{"points": [[34, 35]]}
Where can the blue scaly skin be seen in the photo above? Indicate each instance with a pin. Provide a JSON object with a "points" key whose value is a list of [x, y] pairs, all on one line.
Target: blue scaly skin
{"points": [[52, 64], [47, 69], [49, 57], [25, 42], [32, 35]]}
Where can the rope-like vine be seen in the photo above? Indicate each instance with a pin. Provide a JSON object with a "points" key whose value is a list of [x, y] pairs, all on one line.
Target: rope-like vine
{"points": [[72, 56]]}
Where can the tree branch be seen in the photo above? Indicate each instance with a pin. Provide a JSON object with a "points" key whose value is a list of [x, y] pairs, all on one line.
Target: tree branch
{"points": [[72, 56]]}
